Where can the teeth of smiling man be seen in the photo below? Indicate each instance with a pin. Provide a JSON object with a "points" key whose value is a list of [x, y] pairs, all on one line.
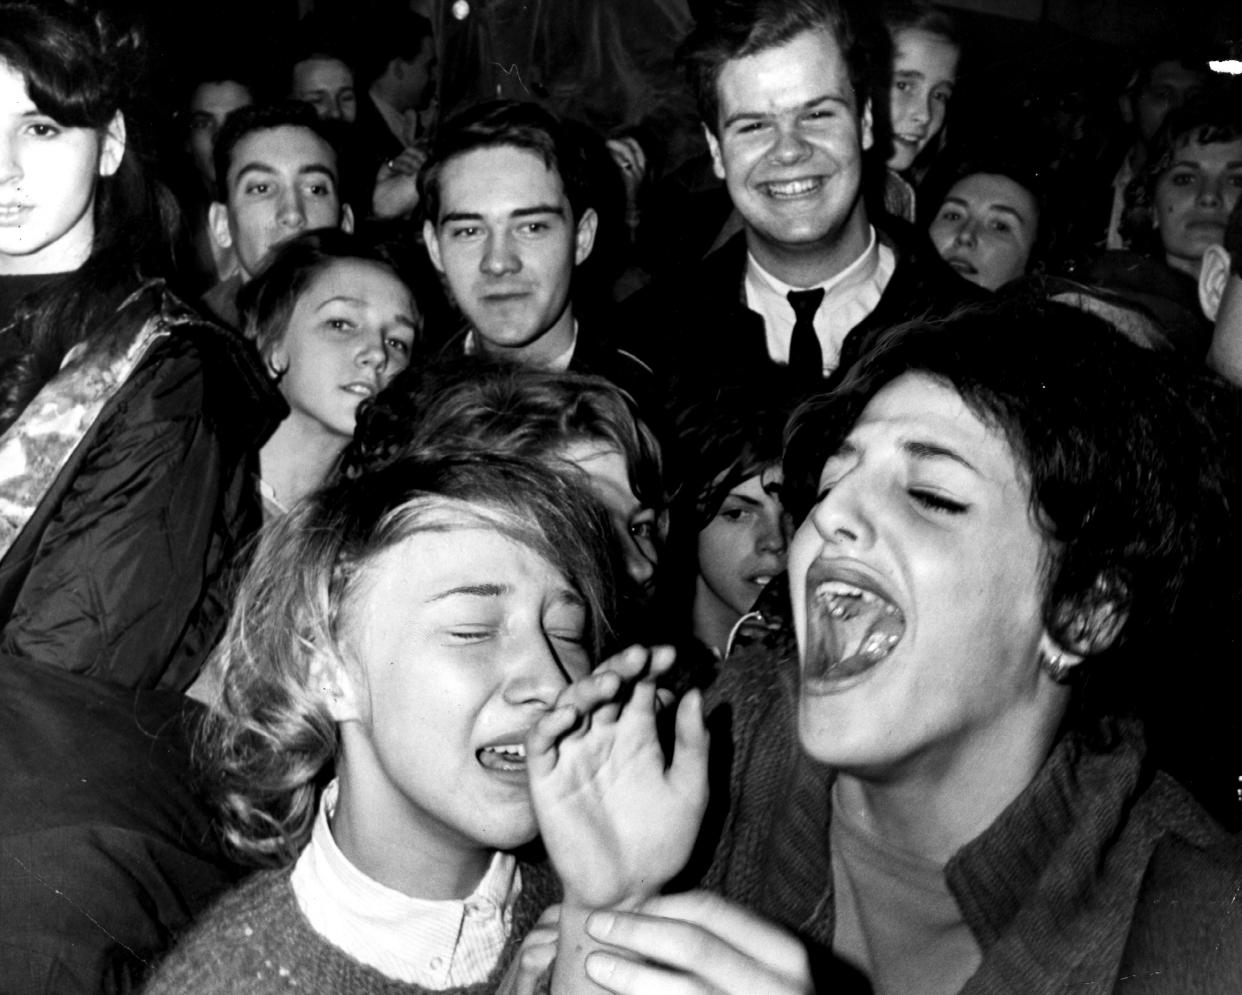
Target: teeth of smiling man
{"points": [[793, 188], [857, 629]]}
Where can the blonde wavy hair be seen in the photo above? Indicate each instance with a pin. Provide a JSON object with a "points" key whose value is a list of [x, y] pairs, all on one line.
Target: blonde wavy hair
{"points": [[267, 743]]}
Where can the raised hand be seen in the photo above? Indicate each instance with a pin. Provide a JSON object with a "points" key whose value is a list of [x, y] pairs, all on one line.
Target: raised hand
{"points": [[617, 821]]}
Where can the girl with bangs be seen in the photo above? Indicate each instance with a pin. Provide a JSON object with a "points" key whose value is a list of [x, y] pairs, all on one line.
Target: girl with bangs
{"points": [[397, 641], [128, 421]]}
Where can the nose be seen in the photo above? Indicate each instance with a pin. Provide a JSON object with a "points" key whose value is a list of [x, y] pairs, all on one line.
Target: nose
{"points": [[371, 352], [9, 168], [841, 517], [536, 675], [789, 145], [498, 256], [1211, 193], [290, 212], [920, 110], [772, 537], [331, 111], [967, 234]]}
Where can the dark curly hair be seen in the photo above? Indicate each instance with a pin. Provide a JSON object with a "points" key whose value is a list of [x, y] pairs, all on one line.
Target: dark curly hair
{"points": [[1131, 457], [1213, 116]]}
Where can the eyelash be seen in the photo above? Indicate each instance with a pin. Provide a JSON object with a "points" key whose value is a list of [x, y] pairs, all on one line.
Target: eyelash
{"points": [[937, 503]]}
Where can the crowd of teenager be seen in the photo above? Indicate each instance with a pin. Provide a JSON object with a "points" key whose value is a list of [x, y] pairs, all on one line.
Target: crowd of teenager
{"points": [[455, 546]]}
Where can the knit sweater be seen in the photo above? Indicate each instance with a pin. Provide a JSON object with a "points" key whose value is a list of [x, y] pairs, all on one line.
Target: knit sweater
{"points": [[1103, 875], [256, 941]]}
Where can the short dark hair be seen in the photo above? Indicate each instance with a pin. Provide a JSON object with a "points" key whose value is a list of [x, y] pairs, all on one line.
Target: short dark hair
{"points": [[518, 123], [264, 117], [400, 34], [735, 29], [266, 303], [1131, 458]]}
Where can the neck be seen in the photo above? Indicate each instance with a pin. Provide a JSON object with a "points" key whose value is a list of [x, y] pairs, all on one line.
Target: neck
{"points": [[542, 352], [938, 803], [297, 459], [1190, 267], [713, 619], [810, 265], [386, 91], [383, 836]]}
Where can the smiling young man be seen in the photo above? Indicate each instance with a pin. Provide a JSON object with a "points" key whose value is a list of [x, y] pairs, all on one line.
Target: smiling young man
{"points": [[785, 91], [278, 176], [509, 219]]}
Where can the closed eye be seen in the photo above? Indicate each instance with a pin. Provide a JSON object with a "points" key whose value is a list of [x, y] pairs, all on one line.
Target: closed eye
{"points": [[937, 502]]}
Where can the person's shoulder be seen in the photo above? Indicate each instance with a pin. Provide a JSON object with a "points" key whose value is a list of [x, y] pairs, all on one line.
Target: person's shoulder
{"points": [[1186, 933], [245, 936]]}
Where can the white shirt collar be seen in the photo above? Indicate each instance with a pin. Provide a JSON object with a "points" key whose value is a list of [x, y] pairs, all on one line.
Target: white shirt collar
{"points": [[432, 943], [849, 296], [559, 364]]}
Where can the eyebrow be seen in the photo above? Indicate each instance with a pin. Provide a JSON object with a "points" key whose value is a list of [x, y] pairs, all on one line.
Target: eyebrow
{"points": [[827, 98], [473, 591], [519, 212], [921, 450], [311, 169], [1003, 208]]}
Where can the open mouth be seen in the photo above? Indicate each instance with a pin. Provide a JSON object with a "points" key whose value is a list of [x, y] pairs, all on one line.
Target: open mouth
{"points": [[961, 265], [359, 389], [850, 629], [507, 758], [12, 212], [793, 188]]}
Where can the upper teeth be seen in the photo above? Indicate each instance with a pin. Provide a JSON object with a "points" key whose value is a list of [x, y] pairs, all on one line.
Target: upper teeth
{"points": [[837, 593], [517, 750], [792, 187]]}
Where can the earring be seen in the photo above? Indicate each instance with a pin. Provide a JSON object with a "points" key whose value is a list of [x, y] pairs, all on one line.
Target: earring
{"points": [[1055, 665]]}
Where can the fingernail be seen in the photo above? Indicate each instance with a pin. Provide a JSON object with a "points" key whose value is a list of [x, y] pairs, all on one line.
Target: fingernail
{"points": [[599, 924], [600, 968]]}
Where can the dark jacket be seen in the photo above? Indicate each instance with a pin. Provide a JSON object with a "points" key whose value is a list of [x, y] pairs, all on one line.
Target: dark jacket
{"points": [[1103, 875], [106, 851], [697, 326], [123, 571]]}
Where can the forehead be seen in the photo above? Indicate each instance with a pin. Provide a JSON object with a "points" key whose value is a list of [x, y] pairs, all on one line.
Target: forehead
{"points": [[322, 72], [219, 95], [1190, 149], [13, 92], [358, 279], [917, 408], [930, 53], [288, 149], [498, 180], [987, 189], [605, 466], [1173, 73], [805, 68]]}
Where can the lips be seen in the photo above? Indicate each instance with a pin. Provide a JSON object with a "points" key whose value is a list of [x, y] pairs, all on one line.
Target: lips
{"points": [[961, 265], [10, 213], [360, 388], [853, 624]]}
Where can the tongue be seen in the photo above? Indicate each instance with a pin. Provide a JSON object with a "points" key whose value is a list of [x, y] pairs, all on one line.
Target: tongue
{"points": [[863, 639]]}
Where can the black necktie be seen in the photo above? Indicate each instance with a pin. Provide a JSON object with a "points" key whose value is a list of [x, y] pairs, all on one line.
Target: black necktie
{"points": [[806, 359]]}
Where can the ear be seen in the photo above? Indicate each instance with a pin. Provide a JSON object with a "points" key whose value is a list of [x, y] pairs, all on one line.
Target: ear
{"points": [[867, 126], [330, 679], [218, 224], [347, 219], [584, 239], [433, 245], [1055, 661], [714, 145], [112, 149], [1213, 278], [1092, 624]]}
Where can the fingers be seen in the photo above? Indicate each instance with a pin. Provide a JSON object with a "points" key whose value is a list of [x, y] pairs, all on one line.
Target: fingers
{"points": [[691, 746], [727, 949]]}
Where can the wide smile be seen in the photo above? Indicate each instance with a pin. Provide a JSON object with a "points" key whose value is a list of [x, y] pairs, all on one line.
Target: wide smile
{"points": [[853, 624], [807, 186]]}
